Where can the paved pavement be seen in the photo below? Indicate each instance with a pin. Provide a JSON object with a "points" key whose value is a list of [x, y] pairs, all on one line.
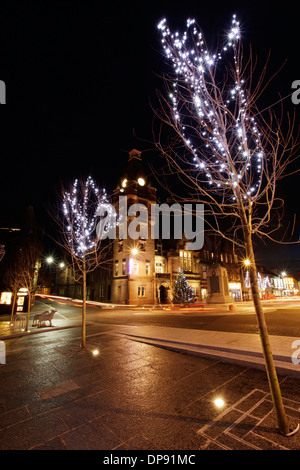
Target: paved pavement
{"points": [[134, 395]]}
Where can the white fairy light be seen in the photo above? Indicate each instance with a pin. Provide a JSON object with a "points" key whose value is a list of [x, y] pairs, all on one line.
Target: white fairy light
{"points": [[194, 66], [81, 208]]}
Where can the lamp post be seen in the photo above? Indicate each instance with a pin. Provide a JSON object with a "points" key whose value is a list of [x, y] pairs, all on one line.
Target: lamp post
{"points": [[54, 265], [283, 274]]}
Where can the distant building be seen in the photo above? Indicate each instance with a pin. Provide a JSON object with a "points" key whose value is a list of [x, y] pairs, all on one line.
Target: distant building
{"points": [[143, 270]]}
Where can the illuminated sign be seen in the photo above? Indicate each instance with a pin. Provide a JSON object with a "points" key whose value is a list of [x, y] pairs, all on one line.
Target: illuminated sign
{"points": [[5, 298]]}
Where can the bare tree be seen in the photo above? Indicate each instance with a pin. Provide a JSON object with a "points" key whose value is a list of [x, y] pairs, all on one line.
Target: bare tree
{"points": [[26, 270], [85, 241], [13, 281], [223, 155]]}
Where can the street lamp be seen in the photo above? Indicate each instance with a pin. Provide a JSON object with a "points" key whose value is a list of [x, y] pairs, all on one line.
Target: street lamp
{"points": [[247, 262], [49, 260], [283, 274], [134, 251]]}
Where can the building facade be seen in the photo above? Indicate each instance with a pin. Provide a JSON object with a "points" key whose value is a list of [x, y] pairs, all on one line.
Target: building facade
{"points": [[144, 268]]}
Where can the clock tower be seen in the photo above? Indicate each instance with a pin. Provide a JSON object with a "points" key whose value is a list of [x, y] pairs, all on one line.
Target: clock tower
{"points": [[134, 251]]}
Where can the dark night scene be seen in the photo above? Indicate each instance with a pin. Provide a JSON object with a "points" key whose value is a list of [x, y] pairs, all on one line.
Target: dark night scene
{"points": [[149, 231]]}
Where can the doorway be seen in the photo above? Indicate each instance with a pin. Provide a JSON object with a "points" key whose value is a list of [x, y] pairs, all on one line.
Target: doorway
{"points": [[163, 294]]}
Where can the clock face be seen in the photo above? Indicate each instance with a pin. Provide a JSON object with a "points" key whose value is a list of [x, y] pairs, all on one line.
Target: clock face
{"points": [[141, 181]]}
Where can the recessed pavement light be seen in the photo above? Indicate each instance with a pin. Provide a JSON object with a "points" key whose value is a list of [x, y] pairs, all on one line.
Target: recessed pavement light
{"points": [[219, 402]]}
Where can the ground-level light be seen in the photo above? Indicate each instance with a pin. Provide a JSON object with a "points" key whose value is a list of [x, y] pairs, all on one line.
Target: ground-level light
{"points": [[219, 402]]}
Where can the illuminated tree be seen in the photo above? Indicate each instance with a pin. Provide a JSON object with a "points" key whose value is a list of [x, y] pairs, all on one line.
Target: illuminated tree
{"points": [[226, 157], [183, 292], [85, 218]]}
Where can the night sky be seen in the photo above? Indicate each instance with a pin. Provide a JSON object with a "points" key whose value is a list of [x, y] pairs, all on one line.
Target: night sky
{"points": [[80, 78]]}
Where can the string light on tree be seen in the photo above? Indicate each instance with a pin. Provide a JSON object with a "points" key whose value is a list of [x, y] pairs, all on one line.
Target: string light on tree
{"points": [[194, 71], [81, 208], [183, 292], [228, 155]]}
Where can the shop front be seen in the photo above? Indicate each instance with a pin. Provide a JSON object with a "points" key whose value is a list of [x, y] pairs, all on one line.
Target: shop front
{"points": [[235, 290]]}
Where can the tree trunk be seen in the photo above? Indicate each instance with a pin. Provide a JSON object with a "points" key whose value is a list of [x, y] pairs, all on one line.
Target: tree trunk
{"points": [[28, 310], [83, 343], [264, 336], [14, 301]]}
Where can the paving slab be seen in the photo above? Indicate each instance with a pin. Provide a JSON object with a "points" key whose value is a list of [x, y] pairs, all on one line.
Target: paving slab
{"points": [[239, 348], [138, 397]]}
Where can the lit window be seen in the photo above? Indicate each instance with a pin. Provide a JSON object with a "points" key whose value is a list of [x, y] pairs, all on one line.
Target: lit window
{"points": [[123, 267], [135, 268], [159, 267], [116, 268], [141, 291], [185, 260], [147, 269]]}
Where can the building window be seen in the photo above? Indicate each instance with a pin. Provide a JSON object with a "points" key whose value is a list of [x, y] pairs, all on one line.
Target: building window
{"points": [[185, 260], [124, 267], [159, 267], [236, 259], [135, 268], [141, 291], [116, 268], [147, 269], [101, 291], [221, 257], [142, 245], [120, 246]]}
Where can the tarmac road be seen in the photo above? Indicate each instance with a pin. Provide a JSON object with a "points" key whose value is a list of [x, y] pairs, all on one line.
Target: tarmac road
{"points": [[282, 316]]}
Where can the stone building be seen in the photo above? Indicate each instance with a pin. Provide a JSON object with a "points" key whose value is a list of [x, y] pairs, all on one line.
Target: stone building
{"points": [[144, 267]]}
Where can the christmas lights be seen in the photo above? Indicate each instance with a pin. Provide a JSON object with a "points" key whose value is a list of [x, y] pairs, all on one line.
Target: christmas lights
{"points": [[81, 208], [213, 115], [183, 292], [263, 282]]}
